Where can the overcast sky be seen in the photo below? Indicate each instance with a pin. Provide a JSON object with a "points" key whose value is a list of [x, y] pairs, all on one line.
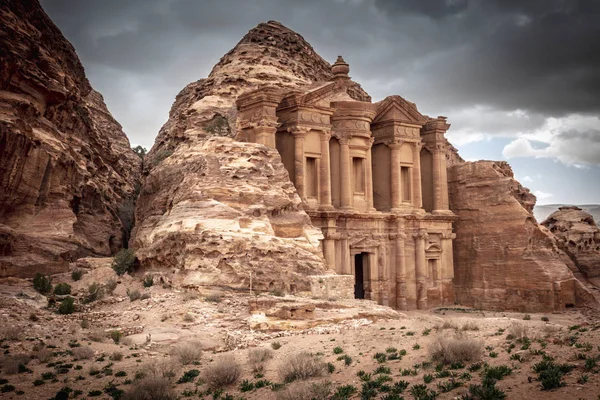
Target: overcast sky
{"points": [[518, 80]]}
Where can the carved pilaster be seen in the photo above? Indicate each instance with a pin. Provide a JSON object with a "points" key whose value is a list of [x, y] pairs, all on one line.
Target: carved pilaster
{"points": [[421, 269], [325, 181]]}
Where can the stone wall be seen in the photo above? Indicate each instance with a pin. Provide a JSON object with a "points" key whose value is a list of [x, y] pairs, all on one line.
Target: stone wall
{"points": [[332, 286]]}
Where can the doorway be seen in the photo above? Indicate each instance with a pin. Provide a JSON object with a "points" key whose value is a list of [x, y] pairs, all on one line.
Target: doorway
{"points": [[359, 275]]}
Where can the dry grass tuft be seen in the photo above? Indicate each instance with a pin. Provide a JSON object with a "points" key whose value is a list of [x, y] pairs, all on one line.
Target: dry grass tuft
{"points": [[302, 391], [151, 388], [116, 356], [10, 333], [517, 330], [97, 335], [187, 352], [10, 364], [455, 349], [257, 358], [83, 353], [224, 372], [301, 366], [470, 326], [44, 355]]}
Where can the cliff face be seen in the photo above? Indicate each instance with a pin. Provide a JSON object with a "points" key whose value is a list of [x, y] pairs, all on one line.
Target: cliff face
{"points": [[579, 236], [216, 211], [502, 258], [67, 172]]}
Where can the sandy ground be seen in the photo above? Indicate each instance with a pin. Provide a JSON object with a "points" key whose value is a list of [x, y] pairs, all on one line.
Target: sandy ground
{"points": [[221, 324]]}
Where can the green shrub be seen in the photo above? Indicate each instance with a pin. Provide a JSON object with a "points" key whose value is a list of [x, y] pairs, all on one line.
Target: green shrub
{"points": [[338, 350], [148, 281], [420, 392], [189, 376], [110, 286], [116, 336], [134, 295], [95, 292], [486, 391], [42, 284], [497, 373], [527, 317], [123, 261], [67, 306], [276, 345], [76, 274], [62, 289], [344, 392]]}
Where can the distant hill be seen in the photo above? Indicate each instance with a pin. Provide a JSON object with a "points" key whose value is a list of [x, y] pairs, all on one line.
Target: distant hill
{"points": [[542, 212]]}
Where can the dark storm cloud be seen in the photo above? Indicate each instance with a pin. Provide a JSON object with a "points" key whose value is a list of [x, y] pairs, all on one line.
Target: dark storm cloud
{"points": [[478, 60]]}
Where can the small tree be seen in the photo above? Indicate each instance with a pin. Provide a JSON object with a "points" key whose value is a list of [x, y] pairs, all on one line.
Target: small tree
{"points": [[42, 284], [140, 151], [123, 261], [62, 289], [67, 306]]}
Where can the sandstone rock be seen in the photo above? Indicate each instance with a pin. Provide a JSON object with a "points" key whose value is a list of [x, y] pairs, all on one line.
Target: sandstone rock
{"points": [[579, 236], [502, 258], [214, 209], [67, 172]]}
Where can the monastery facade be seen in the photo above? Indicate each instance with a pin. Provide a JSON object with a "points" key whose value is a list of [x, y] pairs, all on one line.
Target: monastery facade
{"points": [[372, 177]]}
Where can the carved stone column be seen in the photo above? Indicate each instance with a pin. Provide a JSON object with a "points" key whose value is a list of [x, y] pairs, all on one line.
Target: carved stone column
{"points": [[447, 267], [325, 181], [417, 194], [345, 174], [330, 235], [299, 136], [395, 176], [266, 135], [401, 303], [440, 178], [421, 269], [384, 285], [369, 181], [346, 264]]}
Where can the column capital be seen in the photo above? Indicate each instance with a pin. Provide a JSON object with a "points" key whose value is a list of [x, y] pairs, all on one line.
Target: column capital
{"points": [[344, 141], [448, 235], [298, 131], [394, 144], [325, 135], [398, 236], [422, 234]]}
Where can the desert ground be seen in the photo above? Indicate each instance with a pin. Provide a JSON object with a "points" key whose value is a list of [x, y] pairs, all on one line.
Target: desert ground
{"points": [[214, 343]]}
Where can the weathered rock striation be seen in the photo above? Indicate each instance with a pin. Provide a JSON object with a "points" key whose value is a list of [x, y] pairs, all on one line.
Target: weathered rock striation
{"points": [[67, 172], [222, 212], [502, 258], [579, 236]]}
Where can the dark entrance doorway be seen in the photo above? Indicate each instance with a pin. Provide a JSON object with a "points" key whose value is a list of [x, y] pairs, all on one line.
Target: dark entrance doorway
{"points": [[359, 276]]}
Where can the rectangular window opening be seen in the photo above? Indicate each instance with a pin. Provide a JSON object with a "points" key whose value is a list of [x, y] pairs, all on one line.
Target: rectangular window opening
{"points": [[406, 183], [311, 177], [358, 170]]}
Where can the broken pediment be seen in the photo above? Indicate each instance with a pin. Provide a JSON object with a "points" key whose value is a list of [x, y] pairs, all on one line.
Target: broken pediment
{"points": [[395, 108]]}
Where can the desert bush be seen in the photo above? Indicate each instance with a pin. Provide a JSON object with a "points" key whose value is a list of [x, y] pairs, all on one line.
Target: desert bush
{"points": [[11, 333], [148, 281], [95, 292], [123, 261], [517, 331], [316, 391], [83, 353], [301, 366], [223, 372], [189, 296], [67, 306], [85, 324], [151, 388], [470, 326], [134, 295], [14, 364], [161, 156], [145, 296], [97, 335], [33, 317], [110, 286], [213, 298], [187, 352], [486, 391], [159, 369], [76, 274], [189, 318], [62, 289], [448, 324], [455, 349], [44, 355], [116, 336], [42, 284], [276, 345], [257, 358]]}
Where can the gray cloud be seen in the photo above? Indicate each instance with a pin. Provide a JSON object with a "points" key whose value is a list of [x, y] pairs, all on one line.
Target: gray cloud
{"points": [[472, 61]]}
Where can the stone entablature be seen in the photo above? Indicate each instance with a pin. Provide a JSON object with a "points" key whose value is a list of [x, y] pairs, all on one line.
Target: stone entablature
{"points": [[372, 177]]}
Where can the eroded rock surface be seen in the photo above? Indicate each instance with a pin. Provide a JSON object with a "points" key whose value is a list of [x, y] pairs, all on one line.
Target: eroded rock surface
{"points": [[67, 172], [579, 236], [502, 258], [215, 210]]}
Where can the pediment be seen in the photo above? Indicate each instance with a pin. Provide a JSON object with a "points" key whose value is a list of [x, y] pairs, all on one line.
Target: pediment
{"points": [[395, 108]]}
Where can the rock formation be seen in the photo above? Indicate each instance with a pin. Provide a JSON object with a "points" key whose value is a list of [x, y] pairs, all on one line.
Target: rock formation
{"points": [[502, 258], [67, 172], [217, 210], [579, 236]]}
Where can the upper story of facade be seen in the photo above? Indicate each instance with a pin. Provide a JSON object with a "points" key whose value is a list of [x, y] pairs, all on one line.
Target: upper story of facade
{"points": [[347, 155]]}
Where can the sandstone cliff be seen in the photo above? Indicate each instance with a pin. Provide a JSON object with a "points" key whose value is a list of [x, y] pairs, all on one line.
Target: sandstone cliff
{"points": [[579, 236], [502, 258], [214, 210], [67, 172]]}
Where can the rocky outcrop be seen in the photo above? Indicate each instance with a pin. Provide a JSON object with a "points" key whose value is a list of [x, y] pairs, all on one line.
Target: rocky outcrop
{"points": [[67, 172], [220, 212], [502, 258], [579, 236]]}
